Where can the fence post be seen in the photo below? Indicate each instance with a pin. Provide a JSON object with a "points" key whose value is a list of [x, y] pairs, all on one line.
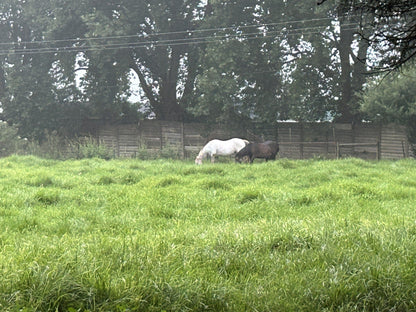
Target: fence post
{"points": [[183, 139], [118, 140], [404, 149], [378, 150], [140, 136], [301, 140], [337, 150]]}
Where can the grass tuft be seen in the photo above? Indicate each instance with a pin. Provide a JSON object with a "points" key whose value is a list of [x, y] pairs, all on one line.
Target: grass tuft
{"points": [[106, 180], [249, 195], [47, 196]]}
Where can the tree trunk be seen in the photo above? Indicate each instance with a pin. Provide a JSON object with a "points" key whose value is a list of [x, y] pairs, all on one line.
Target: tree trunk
{"points": [[352, 74], [344, 46], [169, 106], [360, 66], [165, 106]]}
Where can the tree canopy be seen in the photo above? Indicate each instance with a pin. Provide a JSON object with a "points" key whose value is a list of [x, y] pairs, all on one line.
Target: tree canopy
{"points": [[393, 32], [392, 99], [213, 61]]}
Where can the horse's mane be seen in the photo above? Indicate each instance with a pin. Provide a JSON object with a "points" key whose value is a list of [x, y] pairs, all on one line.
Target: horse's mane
{"points": [[201, 153]]}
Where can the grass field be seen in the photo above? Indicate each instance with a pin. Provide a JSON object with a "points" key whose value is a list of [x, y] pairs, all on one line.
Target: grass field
{"points": [[131, 235]]}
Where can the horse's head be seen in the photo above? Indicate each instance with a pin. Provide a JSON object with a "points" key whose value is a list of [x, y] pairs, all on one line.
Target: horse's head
{"points": [[242, 159], [198, 160], [243, 154]]}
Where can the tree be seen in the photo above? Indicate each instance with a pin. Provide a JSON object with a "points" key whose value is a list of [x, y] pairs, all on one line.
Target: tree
{"points": [[392, 98], [353, 62], [394, 28], [39, 94], [282, 60], [244, 73], [156, 40], [50, 41], [217, 61]]}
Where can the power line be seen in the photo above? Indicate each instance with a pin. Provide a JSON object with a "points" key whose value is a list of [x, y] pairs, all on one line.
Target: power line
{"points": [[172, 42], [157, 34]]}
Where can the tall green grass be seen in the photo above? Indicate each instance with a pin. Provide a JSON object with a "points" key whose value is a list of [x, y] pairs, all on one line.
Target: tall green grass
{"points": [[131, 235]]}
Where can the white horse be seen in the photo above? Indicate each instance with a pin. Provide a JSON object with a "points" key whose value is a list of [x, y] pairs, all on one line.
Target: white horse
{"points": [[220, 148]]}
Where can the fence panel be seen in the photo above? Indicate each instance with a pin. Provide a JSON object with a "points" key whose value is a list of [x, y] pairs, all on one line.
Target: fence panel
{"points": [[393, 142], [367, 133], [288, 134], [128, 136], [297, 141], [192, 139], [150, 135]]}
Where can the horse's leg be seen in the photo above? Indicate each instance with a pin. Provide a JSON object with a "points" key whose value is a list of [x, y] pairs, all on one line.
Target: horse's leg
{"points": [[212, 158]]}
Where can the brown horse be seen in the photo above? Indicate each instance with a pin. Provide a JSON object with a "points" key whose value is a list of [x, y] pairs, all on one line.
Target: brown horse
{"points": [[266, 150]]}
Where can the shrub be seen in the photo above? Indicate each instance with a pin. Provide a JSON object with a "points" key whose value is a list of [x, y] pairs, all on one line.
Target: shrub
{"points": [[89, 147], [10, 142], [168, 152]]}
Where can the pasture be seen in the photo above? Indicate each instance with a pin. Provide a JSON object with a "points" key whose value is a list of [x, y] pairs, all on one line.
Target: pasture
{"points": [[131, 235]]}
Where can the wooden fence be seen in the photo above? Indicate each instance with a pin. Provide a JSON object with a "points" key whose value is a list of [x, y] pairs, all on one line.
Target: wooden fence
{"points": [[297, 141]]}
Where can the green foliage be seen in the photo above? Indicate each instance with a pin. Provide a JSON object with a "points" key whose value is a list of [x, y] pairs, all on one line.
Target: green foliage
{"points": [[119, 235], [168, 152], [297, 66], [10, 142], [392, 98], [162, 68], [40, 92], [55, 146], [88, 147], [216, 61]]}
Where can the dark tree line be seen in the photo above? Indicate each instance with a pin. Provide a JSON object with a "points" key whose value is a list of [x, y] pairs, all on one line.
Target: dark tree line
{"points": [[393, 28], [214, 61]]}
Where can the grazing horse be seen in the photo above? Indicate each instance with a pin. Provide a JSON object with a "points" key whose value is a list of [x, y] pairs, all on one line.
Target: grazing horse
{"points": [[267, 150], [220, 148]]}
